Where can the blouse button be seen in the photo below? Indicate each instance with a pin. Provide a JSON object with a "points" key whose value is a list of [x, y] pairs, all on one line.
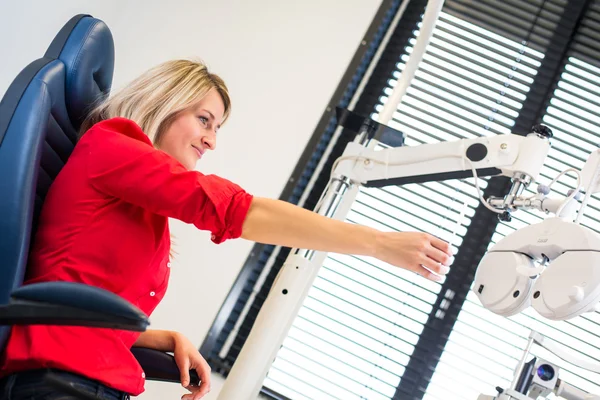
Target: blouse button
{"points": [[213, 237], [152, 294], [143, 375], [168, 265]]}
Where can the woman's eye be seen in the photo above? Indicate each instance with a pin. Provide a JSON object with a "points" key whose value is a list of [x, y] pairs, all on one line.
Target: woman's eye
{"points": [[204, 120]]}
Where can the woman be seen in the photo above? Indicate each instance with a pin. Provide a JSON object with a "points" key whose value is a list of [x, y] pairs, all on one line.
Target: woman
{"points": [[105, 223]]}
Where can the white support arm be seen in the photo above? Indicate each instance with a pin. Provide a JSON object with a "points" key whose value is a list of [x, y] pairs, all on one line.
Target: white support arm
{"points": [[510, 154]]}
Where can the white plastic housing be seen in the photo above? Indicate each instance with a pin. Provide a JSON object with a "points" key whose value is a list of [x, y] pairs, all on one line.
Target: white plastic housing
{"points": [[540, 387], [569, 287], [532, 154], [500, 287], [552, 237]]}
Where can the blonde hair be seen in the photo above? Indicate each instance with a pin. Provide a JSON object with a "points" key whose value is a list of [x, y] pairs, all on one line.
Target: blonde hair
{"points": [[155, 98]]}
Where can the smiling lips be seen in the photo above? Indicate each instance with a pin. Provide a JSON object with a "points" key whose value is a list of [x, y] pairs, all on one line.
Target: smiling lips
{"points": [[198, 151]]}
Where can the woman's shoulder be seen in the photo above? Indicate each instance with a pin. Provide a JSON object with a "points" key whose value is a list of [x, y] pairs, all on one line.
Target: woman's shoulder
{"points": [[117, 128]]}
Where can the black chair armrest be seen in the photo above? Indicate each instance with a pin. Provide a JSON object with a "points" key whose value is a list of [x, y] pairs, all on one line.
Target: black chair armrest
{"points": [[69, 303], [159, 366]]}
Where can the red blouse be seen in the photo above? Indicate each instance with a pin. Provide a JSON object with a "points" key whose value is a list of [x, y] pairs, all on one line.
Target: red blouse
{"points": [[105, 223]]}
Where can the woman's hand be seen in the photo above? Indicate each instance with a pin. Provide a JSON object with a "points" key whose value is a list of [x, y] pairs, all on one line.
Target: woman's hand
{"points": [[188, 357], [415, 251]]}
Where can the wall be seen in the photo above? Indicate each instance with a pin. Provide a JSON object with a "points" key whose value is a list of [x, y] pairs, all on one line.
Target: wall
{"points": [[282, 60]]}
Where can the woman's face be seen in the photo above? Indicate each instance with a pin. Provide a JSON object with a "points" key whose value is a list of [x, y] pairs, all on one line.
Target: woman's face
{"points": [[194, 131]]}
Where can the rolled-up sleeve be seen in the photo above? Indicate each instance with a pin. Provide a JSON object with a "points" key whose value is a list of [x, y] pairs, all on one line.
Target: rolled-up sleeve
{"points": [[129, 168]]}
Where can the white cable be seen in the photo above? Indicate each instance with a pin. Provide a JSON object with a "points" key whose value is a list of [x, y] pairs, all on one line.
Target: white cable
{"points": [[581, 210], [563, 173], [588, 194], [572, 195], [459, 221], [567, 200], [344, 158], [479, 192]]}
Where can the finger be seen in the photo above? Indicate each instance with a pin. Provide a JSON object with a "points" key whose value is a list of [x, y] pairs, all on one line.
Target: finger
{"points": [[193, 389], [424, 272], [204, 389], [184, 371], [434, 266], [204, 375], [439, 257], [441, 245], [198, 395], [417, 267]]}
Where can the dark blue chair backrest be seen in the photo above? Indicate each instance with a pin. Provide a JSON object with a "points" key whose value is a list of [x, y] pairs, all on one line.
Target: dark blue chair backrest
{"points": [[40, 115]]}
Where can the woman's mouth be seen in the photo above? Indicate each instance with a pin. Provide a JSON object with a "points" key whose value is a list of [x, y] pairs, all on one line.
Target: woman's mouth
{"points": [[198, 152]]}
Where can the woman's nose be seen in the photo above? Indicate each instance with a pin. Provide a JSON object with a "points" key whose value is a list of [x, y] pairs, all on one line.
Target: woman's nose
{"points": [[209, 142]]}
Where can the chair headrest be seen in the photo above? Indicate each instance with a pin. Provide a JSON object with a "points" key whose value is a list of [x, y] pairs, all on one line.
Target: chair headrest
{"points": [[85, 45]]}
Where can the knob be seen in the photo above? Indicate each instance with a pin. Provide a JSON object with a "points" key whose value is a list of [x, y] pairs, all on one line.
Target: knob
{"points": [[543, 189], [505, 217], [542, 130], [576, 294]]}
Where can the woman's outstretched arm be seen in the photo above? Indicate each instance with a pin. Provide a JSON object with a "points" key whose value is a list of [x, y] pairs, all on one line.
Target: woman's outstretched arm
{"points": [[280, 223]]}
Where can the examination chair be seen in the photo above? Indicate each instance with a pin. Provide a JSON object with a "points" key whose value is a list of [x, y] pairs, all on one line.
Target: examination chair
{"points": [[40, 115]]}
